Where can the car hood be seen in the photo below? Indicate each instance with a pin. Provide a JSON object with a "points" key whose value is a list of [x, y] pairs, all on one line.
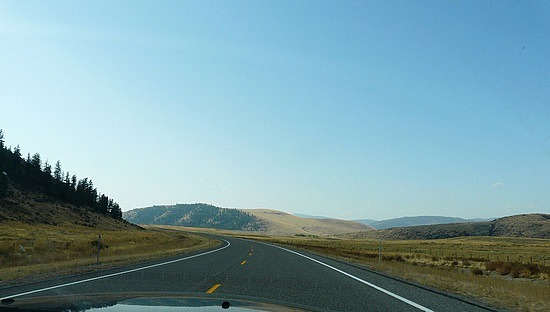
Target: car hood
{"points": [[103, 302]]}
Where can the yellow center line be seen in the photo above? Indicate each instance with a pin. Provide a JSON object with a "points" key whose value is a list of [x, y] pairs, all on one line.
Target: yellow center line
{"points": [[213, 288], [242, 263]]}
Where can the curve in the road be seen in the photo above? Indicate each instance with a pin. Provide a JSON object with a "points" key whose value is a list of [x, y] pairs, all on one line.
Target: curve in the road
{"points": [[226, 244]]}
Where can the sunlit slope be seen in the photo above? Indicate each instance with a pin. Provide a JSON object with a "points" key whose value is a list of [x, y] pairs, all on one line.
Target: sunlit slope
{"points": [[282, 223]]}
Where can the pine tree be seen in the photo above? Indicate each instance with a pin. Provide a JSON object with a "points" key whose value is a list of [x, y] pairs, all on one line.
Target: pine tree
{"points": [[57, 174], [116, 212], [47, 169], [36, 162], [3, 185], [73, 182], [103, 204], [16, 155]]}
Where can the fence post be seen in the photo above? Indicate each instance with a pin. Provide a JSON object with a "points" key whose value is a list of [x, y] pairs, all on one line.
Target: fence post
{"points": [[98, 247], [380, 252]]}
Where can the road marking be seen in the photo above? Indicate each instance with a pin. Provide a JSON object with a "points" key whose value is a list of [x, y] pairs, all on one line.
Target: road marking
{"points": [[213, 288], [116, 274], [387, 292], [242, 263]]}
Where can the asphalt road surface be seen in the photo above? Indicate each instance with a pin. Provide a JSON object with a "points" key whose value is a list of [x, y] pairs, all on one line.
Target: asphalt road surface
{"points": [[248, 268]]}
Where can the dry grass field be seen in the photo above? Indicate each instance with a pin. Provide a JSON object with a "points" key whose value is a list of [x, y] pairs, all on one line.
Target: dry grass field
{"points": [[41, 251], [282, 223]]}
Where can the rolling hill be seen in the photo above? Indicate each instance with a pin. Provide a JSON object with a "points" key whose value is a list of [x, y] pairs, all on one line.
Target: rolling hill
{"points": [[266, 221], [195, 215], [536, 225], [282, 223]]}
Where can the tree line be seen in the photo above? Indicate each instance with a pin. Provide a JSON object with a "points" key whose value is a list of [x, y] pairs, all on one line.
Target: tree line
{"points": [[34, 173]]}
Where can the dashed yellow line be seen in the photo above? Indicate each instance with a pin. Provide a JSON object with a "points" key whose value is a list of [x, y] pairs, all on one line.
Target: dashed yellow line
{"points": [[213, 288], [242, 263]]}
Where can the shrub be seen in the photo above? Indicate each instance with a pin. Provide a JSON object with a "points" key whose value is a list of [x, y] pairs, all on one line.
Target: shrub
{"points": [[397, 258], [477, 271], [515, 271]]}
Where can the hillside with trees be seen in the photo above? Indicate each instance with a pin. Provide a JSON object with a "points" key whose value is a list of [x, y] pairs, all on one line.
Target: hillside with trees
{"points": [[196, 215], [32, 178]]}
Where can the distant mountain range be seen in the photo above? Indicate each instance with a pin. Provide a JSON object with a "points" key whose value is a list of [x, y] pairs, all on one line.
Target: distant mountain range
{"points": [[413, 221], [303, 215], [535, 225], [401, 222]]}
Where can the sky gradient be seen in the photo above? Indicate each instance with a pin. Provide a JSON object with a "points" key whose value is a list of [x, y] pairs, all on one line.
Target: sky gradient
{"points": [[348, 109]]}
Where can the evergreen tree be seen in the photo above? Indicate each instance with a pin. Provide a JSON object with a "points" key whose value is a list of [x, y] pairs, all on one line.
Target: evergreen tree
{"points": [[36, 162], [103, 204], [3, 185], [116, 212], [57, 174], [46, 178], [16, 156], [47, 169]]}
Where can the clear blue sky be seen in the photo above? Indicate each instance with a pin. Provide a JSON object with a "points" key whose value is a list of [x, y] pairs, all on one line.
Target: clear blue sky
{"points": [[348, 109]]}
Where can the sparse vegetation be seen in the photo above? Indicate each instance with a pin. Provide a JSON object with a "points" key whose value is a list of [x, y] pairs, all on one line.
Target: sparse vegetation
{"points": [[40, 250]]}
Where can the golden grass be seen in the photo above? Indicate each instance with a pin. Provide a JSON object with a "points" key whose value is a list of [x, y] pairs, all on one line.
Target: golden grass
{"points": [[45, 250], [448, 264], [282, 223]]}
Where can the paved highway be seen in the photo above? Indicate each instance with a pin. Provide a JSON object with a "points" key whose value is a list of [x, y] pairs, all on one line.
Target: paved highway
{"points": [[248, 268]]}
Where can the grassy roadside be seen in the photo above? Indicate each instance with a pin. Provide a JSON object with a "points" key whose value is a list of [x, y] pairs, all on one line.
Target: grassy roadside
{"points": [[461, 270], [40, 251]]}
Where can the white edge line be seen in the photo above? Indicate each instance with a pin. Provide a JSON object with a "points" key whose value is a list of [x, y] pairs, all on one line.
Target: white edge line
{"points": [[414, 304], [115, 274]]}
